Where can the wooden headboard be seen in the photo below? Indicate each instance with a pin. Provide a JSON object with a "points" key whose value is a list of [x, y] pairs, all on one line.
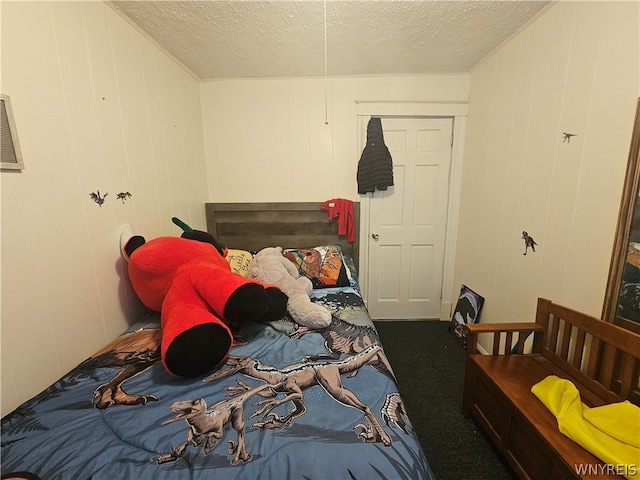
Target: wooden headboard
{"points": [[254, 226]]}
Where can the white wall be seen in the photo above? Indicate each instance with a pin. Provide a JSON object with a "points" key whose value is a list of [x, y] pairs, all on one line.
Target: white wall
{"points": [[96, 107], [576, 69], [266, 139]]}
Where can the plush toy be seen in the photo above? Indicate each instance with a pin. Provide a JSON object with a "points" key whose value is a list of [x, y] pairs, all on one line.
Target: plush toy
{"points": [[271, 267], [200, 300]]}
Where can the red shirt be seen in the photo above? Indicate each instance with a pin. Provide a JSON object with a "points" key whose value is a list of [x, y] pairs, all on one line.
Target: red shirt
{"points": [[343, 209]]}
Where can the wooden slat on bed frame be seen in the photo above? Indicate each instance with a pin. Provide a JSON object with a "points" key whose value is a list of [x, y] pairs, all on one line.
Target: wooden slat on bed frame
{"points": [[254, 226]]}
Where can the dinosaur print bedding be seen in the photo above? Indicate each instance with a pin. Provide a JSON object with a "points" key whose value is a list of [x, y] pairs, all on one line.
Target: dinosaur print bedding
{"points": [[289, 403]]}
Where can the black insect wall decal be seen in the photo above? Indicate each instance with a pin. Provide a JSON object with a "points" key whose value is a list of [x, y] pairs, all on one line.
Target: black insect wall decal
{"points": [[529, 242], [123, 196], [566, 137], [95, 196]]}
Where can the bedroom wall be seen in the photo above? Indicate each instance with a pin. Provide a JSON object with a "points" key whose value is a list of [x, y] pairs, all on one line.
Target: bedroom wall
{"points": [[97, 107], [266, 139], [576, 70]]}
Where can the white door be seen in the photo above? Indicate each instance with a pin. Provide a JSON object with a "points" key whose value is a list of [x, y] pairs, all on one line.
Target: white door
{"points": [[408, 221]]}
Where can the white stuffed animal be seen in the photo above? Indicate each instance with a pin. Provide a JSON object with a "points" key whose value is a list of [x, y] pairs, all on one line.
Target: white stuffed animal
{"points": [[269, 266]]}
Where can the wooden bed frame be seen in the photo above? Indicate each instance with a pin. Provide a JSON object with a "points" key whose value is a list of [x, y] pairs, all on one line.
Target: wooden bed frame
{"points": [[254, 226]]}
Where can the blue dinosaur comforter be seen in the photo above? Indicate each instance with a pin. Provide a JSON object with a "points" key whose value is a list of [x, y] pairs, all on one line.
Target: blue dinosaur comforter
{"points": [[289, 403]]}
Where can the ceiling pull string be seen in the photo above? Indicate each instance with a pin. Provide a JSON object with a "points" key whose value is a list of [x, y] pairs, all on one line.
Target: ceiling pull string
{"points": [[326, 100]]}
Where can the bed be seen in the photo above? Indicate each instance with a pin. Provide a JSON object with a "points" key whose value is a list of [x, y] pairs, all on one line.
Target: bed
{"points": [[288, 403]]}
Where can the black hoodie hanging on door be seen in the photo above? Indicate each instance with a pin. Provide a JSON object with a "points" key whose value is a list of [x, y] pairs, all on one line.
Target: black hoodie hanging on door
{"points": [[375, 169]]}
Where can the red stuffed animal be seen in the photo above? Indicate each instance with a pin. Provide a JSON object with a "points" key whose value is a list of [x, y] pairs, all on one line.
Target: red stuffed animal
{"points": [[200, 300]]}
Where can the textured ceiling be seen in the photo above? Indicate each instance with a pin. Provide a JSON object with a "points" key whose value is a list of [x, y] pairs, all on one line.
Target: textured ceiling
{"points": [[280, 38]]}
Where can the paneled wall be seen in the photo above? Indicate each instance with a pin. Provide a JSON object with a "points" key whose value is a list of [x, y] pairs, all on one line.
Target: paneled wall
{"points": [[267, 140], [97, 107], [574, 70]]}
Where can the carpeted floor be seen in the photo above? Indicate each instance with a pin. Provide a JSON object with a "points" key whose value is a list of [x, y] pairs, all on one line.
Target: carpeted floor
{"points": [[429, 365]]}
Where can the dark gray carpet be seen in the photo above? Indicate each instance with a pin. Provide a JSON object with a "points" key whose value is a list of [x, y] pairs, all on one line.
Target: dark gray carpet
{"points": [[429, 365]]}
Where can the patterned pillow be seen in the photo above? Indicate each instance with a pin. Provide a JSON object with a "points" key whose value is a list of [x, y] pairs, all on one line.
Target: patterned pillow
{"points": [[323, 265], [239, 261]]}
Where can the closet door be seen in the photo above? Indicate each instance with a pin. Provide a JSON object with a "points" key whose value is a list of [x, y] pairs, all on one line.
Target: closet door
{"points": [[408, 221]]}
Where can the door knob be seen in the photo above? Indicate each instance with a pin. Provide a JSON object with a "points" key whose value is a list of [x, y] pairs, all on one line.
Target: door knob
{"points": [[375, 236]]}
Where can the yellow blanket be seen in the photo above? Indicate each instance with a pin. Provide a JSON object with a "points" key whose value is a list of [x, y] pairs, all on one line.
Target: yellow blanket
{"points": [[611, 432]]}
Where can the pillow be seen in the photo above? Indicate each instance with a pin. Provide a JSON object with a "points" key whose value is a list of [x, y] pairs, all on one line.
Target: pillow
{"points": [[239, 261], [323, 265]]}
